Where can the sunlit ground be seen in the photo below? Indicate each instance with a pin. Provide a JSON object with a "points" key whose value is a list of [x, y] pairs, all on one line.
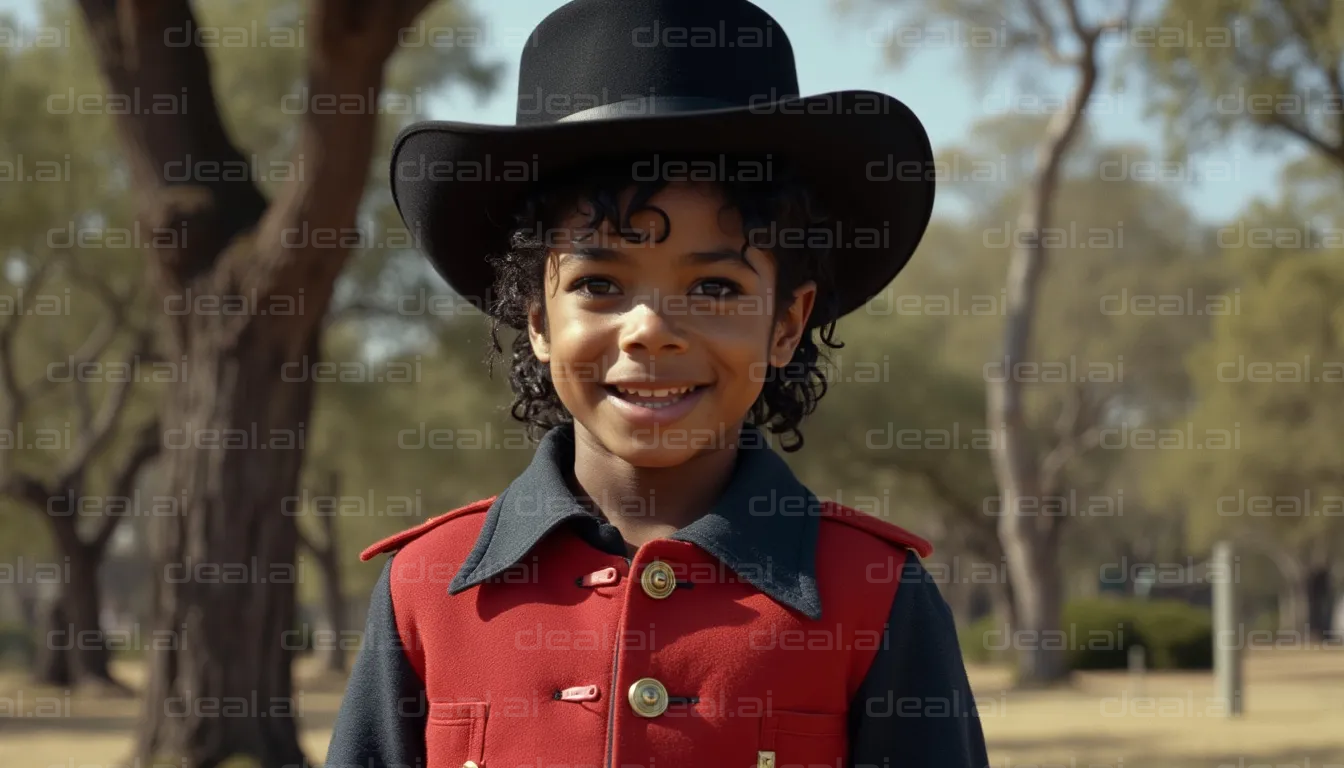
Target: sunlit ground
{"points": [[1294, 717]]}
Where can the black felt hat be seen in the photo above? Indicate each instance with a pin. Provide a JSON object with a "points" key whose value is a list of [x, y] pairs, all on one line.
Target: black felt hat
{"points": [[623, 77]]}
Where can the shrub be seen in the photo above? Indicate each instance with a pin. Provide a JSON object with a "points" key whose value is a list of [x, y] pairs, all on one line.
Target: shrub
{"points": [[1178, 635], [1098, 633], [17, 646]]}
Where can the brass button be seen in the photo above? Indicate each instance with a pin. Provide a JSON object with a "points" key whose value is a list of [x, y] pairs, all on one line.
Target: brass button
{"points": [[657, 580], [648, 697], [765, 759], [470, 764]]}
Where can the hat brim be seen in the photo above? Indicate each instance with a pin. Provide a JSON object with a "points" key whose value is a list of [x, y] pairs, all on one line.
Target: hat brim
{"points": [[457, 185]]}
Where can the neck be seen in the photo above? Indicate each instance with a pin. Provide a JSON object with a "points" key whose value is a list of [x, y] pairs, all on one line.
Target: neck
{"points": [[646, 503]]}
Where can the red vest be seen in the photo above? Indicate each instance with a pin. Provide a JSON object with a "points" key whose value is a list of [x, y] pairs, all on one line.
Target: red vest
{"points": [[536, 667]]}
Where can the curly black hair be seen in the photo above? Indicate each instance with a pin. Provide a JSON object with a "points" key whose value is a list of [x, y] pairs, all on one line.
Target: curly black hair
{"points": [[778, 200]]}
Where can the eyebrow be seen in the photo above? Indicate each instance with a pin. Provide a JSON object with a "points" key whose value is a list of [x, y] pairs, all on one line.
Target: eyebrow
{"points": [[599, 254]]}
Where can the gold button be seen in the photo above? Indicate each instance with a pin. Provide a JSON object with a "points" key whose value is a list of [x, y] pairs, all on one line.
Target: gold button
{"points": [[765, 759], [648, 697], [657, 580], [470, 764]]}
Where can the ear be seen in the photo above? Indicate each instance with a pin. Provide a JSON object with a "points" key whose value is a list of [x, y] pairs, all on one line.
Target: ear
{"points": [[536, 332], [790, 327]]}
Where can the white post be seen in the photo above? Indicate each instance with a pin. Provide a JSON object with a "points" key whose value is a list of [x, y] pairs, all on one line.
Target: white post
{"points": [[1137, 665], [1227, 659]]}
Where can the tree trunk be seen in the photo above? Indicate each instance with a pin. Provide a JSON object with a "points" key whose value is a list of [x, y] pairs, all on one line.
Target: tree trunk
{"points": [[1320, 600], [1038, 594], [1030, 542], [83, 605], [1005, 605], [225, 590], [1293, 597], [327, 641], [234, 428], [333, 592], [333, 654], [55, 663], [74, 644]]}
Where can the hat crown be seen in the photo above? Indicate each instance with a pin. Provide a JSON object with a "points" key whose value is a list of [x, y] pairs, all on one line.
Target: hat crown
{"points": [[652, 57]]}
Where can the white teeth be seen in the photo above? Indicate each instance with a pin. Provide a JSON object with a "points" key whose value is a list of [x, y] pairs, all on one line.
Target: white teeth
{"points": [[653, 392], [634, 394]]}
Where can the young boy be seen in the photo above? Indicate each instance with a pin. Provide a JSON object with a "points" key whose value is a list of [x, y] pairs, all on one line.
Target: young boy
{"points": [[657, 588]]}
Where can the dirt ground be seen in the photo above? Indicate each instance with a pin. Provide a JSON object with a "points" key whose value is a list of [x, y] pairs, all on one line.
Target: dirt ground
{"points": [[1294, 718]]}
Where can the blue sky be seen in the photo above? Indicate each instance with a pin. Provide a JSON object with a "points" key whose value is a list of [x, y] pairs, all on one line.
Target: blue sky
{"points": [[837, 52]]}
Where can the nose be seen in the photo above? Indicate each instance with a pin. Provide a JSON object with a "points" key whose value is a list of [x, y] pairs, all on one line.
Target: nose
{"points": [[649, 331]]}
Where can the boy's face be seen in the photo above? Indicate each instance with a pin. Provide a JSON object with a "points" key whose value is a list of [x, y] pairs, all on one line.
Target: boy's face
{"points": [[659, 348]]}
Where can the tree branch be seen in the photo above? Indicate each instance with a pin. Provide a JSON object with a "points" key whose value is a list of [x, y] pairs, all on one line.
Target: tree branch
{"points": [[1335, 152], [1046, 34], [134, 49], [94, 438], [97, 343], [17, 396], [1085, 33], [353, 41], [24, 487], [147, 445], [1077, 431]]}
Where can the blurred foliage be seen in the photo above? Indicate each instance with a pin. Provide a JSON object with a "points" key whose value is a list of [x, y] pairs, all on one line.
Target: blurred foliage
{"points": [[1271, 378], [1097, 634], [1270, 71]]}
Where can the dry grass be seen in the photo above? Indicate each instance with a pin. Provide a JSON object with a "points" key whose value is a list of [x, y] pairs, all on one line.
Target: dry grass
{"points": [[1294, 717]]}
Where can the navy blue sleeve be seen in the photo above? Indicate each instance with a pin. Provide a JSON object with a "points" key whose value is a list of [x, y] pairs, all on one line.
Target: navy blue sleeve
{"points": [[915, 708], [382, 719]]}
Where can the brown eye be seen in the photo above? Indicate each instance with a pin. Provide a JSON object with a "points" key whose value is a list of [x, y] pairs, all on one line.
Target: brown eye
{"points": [[594, 286], [718, 288]]}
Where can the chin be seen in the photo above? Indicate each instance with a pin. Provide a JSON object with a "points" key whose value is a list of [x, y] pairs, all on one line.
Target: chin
{"points": [[649, 452]]}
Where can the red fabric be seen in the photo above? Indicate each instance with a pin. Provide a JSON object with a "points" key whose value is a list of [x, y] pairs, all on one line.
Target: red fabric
{"points": [[877, 526], [396, 540], [766, 677]]}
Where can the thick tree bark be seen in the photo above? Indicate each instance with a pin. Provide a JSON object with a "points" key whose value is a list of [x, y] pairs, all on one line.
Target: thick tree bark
{"points": [[235, 429], [225, 588]]}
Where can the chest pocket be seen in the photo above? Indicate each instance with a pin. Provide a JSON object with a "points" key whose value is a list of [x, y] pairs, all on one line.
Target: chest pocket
{"points": [[455, 733], [803, 740]]}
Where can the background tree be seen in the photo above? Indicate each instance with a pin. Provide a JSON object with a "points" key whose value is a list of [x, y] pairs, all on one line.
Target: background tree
{"points": [[1271, 377], [1027, 470], [63, 490], [75, 338], [274, 245], [1271, 71], [1274, 73]]}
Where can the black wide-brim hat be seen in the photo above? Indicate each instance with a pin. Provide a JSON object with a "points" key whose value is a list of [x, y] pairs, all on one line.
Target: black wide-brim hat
{"points": [[602, 78]]}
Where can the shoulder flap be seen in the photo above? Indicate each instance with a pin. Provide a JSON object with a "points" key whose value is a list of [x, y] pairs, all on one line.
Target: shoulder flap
{"points": [[876, 527], [399, 540]]}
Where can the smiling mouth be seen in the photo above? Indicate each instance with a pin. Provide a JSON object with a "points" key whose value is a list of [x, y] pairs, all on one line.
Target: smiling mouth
{"points": [[653, 397]]}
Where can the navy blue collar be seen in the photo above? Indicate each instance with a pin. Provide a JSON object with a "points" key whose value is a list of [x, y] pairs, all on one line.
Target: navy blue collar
{"points": [[764, 526]]}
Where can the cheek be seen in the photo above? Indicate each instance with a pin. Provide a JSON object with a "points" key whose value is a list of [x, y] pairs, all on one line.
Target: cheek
{"points": [[578, 353], [742, 347]]}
